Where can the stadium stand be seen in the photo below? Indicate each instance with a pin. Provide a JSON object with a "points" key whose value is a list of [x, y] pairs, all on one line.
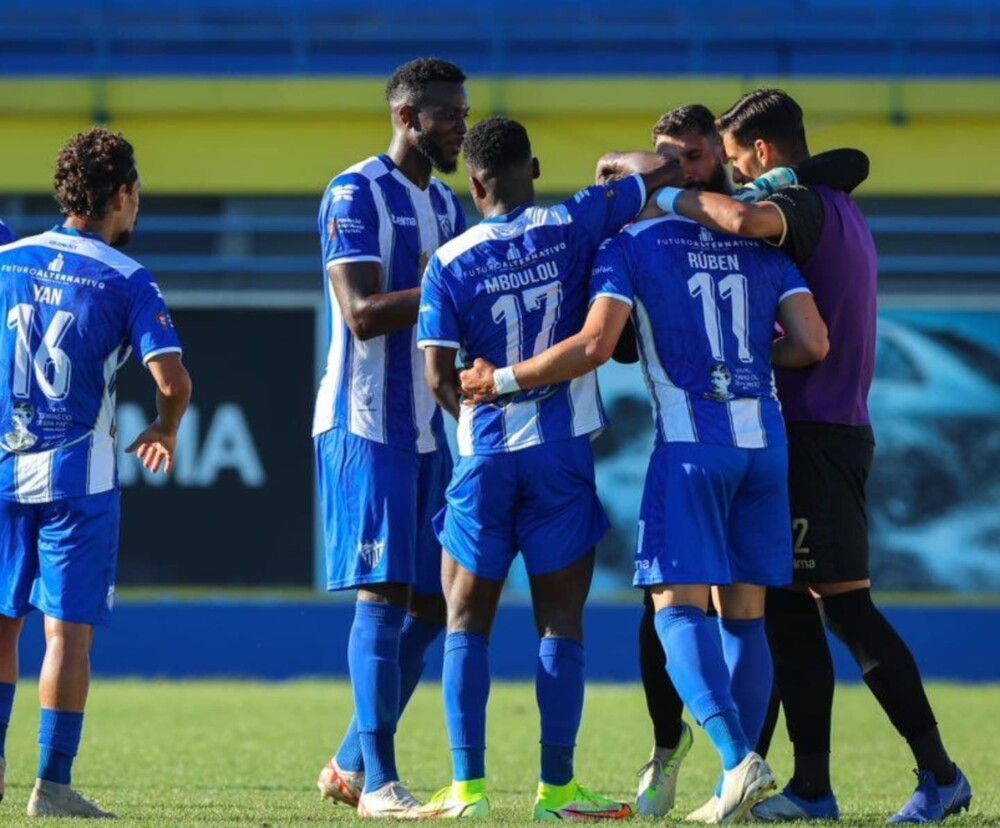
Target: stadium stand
{"points": [[960, 38]]}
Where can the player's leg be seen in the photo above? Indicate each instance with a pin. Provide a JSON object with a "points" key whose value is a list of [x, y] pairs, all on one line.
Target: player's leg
{"points": [[683, 547], [802, 663], [476, 531], [343, 777], [672, 738], [78, 552], [559, 523], [368, 496], [891, 673], [18, 567]]}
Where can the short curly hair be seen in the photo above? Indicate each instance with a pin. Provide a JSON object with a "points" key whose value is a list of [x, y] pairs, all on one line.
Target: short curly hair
{"points": [[496, 144], [90, 169], [685, 119], [411, 79]]}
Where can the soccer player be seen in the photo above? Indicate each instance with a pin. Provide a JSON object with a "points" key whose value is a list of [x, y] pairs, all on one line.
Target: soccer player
{"points": [[524, 481], [75, 307], [381, 455], [831, 446], [6, 234], [690, 133], [715, 506]]}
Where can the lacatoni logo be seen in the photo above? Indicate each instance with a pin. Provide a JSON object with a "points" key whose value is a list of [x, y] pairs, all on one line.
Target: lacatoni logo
{"points": [[204, 452], [344, 192]]}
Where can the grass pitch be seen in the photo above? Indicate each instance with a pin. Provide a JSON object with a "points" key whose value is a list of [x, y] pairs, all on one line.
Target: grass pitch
{"points": [[186, 754]]}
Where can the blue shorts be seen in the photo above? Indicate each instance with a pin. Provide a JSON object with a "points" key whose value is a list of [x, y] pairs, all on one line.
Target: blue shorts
{"points": [[540, 500], [715, 515], [378, 503], [60, 557]]}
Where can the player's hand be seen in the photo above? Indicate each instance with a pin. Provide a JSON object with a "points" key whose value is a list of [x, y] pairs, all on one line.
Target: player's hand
{"points": [[615, 165], [477, 382], [155, 448]]}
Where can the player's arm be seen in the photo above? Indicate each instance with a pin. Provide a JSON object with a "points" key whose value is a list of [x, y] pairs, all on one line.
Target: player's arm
{"points": [[442, 377], [654, 169], [805, 338], [571, 358], [156, 446], [368, 311]]}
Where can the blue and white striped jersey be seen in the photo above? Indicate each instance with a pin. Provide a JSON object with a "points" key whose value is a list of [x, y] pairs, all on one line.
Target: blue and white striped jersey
{"points": [[704, 306], [6, 234], [375, 389], [508, 289], [74, 309]]}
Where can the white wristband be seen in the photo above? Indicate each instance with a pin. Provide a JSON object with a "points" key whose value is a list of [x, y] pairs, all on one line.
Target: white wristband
{"points": [[504, 381], [667, 198]]}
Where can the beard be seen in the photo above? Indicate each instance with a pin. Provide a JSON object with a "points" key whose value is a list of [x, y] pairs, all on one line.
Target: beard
{"points": [[433, 153], [718, 183], [122, 239]]}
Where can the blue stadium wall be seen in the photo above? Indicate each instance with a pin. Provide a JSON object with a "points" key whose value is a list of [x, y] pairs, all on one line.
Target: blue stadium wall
{"points": [[285, 640]]}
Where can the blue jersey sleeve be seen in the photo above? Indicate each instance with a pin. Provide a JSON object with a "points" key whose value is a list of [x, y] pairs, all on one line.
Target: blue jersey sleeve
{"points": [[150, 329], [792, 280], [437, 323], [6, 234], [349, 221], [611, 275], [602, 210]]}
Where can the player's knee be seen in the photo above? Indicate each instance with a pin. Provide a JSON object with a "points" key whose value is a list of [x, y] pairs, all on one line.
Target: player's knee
{"points": [[398, 595], [430, 609], [560, 621], [850, 615]]}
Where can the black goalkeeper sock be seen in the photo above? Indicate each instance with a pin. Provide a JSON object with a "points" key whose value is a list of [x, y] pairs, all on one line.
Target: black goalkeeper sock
{"points": [[770, 722], [664, 705], [891, 673], [803, 671]]}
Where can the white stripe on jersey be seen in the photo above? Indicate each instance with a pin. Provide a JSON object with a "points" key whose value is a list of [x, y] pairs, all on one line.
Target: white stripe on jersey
{"points": [[81, 246], [368, 387], [584, 400], [464, 436], [670, 403], [520, 425], [423, 401], [33, 477], [101, 461], [487, 231], [746, 423]]}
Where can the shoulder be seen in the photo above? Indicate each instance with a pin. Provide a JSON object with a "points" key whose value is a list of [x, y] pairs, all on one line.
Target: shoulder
{"points": [[797, 197], [99, 253], [463, 243], [359, 177], [670, 225]]}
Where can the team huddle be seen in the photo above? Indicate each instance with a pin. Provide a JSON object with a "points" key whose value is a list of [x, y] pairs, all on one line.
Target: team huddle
{"points": [[752, 313]]}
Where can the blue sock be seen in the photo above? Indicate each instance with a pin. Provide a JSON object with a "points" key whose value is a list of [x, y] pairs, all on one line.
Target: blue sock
{"points": [[414, 640], [373, 655], [559, 691], [6, 707], [726, 733], [748, 657], [59, 739], [698, 670], [466, 682]]}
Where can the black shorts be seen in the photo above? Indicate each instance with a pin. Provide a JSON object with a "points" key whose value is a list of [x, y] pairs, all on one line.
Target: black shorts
{"points": [[828, 466]]}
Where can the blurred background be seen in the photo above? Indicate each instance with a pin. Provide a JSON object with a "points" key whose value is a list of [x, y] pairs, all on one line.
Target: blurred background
{"points": [[241, 112]]}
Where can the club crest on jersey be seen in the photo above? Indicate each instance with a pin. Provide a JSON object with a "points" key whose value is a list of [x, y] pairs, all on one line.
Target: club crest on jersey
{"points": [[371, 552], [720, 377], [444, 226], [19, 438]]}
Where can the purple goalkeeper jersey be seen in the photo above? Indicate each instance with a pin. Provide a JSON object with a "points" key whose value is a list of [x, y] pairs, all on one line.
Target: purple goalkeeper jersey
{"points": [[829, 238]]}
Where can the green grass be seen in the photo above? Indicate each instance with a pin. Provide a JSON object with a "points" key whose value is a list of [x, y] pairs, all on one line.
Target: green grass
{"points": [[186, 754]]}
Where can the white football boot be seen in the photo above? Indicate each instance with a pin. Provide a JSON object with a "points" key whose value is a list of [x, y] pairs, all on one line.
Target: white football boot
{"points": [[750, 782], [50, 799], [391, 801], [658, 777], [338, 785]]}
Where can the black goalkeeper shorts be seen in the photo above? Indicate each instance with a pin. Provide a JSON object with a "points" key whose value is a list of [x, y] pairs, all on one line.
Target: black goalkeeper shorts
{"points": [[828, 466]]}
